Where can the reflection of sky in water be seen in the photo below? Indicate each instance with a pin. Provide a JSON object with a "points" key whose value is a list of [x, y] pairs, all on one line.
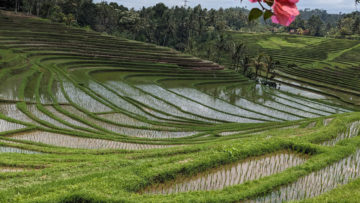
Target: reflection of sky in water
{"points": [[219, 104], [190, 106], [300, 92], [9, 87], [271, 101], [9, 94], [244, 98]]}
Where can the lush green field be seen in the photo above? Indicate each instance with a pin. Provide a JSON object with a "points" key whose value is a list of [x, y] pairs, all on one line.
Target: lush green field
{"points": [[91, 118]]}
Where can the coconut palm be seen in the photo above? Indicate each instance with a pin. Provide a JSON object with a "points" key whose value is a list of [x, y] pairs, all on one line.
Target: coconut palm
{"points": [[238, 52], [258, 63], [270, 65], [245, 64]]}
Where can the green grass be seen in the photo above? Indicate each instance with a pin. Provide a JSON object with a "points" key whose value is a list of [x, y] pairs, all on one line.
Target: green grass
{"points": [[277, 42]]}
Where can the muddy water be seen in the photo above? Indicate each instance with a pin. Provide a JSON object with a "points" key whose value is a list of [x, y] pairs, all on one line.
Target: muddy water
{"points": [[238, 173], [318, 182]]}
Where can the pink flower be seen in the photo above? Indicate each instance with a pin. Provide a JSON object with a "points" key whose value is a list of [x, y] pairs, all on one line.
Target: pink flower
{"points": [[285, 11]]}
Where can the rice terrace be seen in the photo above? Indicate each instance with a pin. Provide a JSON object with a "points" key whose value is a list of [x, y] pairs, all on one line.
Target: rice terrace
{"points": [[178, 103]]}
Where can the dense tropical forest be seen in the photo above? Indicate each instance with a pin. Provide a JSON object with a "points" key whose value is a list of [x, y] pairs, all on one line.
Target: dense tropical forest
{"points": [[103, 103], [178, 26]]}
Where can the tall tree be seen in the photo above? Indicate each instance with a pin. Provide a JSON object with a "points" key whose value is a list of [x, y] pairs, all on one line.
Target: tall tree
{"points": [[16, 5], [238, 53], [258, 64], [356, 26], [315, 25], [270, 66], [86, 14], [221, 46], [245, 64]]}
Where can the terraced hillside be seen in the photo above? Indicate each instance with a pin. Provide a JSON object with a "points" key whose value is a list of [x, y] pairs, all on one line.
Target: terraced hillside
{"points": [[93, 118], [332, 65]]}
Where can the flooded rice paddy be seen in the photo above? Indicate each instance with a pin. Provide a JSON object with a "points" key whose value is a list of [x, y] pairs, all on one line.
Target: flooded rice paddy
{"points": [[8, 126], [233, 174], [65, 118], [11, 111], [193, 107], [126, 90], [79, 142], [82, 99], [318, 182], [44, 117], [132, 132], [16, 150], [193, 94]]}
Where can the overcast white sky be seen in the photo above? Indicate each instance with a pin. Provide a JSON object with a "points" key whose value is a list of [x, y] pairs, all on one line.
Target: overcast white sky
{"points": [[332, 6]]}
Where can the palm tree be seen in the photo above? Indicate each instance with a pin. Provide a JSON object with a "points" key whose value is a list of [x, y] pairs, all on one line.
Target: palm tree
{"points": [[16, 5], [209, 53], [258, 63], [270, 65], [245, 64], [238, 52], [220, 46]]}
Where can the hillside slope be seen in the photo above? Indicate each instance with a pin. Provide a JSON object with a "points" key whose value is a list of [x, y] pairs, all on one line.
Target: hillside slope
{"points": [[94, 118]]}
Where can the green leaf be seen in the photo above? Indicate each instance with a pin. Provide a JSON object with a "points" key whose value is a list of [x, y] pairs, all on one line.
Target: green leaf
{"points": [[269, 2], [255, 13], [268, 14]]}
